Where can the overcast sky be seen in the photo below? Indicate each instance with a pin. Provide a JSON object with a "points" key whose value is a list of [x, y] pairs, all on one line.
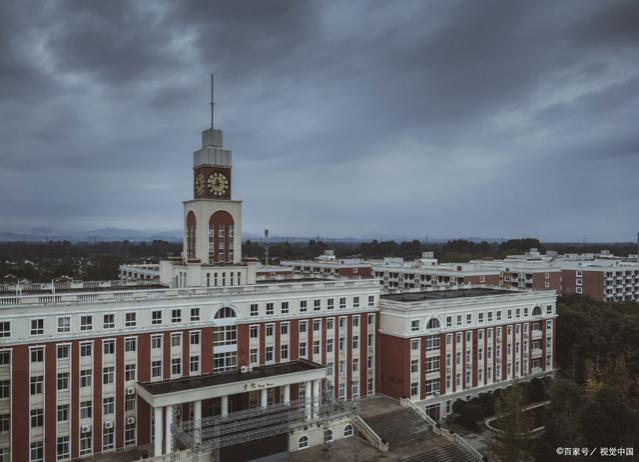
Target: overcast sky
{"points": [[346, 118]]}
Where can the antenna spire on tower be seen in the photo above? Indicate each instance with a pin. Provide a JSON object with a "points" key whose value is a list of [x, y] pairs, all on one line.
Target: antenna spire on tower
{"points": [[212, 100]]}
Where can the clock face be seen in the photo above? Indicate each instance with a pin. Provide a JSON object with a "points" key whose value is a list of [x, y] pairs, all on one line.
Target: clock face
{"points": [[199, 185], [218, 183]]}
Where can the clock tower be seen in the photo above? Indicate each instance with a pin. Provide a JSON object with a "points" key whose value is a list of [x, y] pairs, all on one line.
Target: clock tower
{"points": [[212, 220]]}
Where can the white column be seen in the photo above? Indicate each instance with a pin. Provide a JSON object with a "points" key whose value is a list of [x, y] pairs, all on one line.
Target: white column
{"points": [[168, 447], [287, 394], [308, 398], [197, 416], [316, 397], [225, 405], [157, 414], [263, 398]]}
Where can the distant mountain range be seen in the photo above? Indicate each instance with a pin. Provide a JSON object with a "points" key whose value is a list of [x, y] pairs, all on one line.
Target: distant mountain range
{"points": [[43, 234]]}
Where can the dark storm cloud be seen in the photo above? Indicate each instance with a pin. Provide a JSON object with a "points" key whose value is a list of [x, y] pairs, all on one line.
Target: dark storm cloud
{"points": [[366, 118]]}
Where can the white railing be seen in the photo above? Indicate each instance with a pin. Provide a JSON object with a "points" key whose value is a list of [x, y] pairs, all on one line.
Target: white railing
{"points": [[454, 437], [141, 294], [369, 434]]}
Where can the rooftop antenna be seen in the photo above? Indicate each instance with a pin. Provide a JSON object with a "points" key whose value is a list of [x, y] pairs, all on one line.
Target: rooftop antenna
{"points": [[212, 99], [266, 247]]}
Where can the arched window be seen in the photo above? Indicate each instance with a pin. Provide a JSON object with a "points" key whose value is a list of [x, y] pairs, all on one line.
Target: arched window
{"points": [[328, 435], [433, 324], [224, 313], [302, 442], [536, 311], [221, 237], [190, 235], [348, 431]]}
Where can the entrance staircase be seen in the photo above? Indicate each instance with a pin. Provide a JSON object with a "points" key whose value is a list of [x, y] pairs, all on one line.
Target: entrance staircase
{"points": [[449, 453], [399, 428]]}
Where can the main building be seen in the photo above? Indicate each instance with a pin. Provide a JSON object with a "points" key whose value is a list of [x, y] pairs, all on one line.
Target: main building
{"points": [[213, 357]]}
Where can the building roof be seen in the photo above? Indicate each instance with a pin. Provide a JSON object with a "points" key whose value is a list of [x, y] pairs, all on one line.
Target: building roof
{"points": [[445, 294], [209, 380]]}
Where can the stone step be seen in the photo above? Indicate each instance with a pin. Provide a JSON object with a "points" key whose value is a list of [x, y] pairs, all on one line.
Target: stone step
{"points": [[449, 453], [400, 428]]}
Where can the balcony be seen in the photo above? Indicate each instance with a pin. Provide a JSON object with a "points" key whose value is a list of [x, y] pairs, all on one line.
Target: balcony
{"points": [[536, 334], [536, 352]]}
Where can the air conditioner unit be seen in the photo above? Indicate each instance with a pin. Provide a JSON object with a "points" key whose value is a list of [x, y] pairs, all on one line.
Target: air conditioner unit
{"points": [[108, 424], [130, 391], [86, 428], [130, 420], [244, 369]]}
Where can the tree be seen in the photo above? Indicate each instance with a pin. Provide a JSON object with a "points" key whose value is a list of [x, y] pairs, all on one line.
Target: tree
{"points": [[509, 445]]}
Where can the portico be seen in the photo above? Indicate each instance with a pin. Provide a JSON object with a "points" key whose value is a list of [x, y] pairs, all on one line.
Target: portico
{"points": [[274, 380]]}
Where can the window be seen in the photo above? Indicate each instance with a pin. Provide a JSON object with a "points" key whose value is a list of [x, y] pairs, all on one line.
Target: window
{"points": [[63, 448], [432, 386], [414, 366], [195, 314], [129, 402], [86, 322], [316, 347], [108, 439], [371, 300], [108, 405], [176, 366], [302, 443], [64, 324], [108, 347], [270, 309], [86, 378], [284, 307], [284, 328], [432, 365], [269, 354], [109, 321], [302, 326], [469, 318], [329, 345], [194, 364], [176, 315], [156, 369], [130, 344], [254, 309], [254, 331], [223, 362], [355, 302], [5, 329], [414, 344], [328, 435], [5, 423], [5, 388], [433, 324], [108, 375], [5, 357], [269, 330], [225, 335], [37, 418], [342, 302], [355, 342], [176, 340], [253, 354], [302, 349], [36, 384], [348, 431], [37, 326], [63, 381], [85, 443], [432, 342], [129, 434], [129, 372], [156, 317], [63, 412], [37, 354], [156, 342], [130, 320], [37, 451], [317, 305], [330, 303], [303, 305], [194, 338], [329, 324], [284, 352]]}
